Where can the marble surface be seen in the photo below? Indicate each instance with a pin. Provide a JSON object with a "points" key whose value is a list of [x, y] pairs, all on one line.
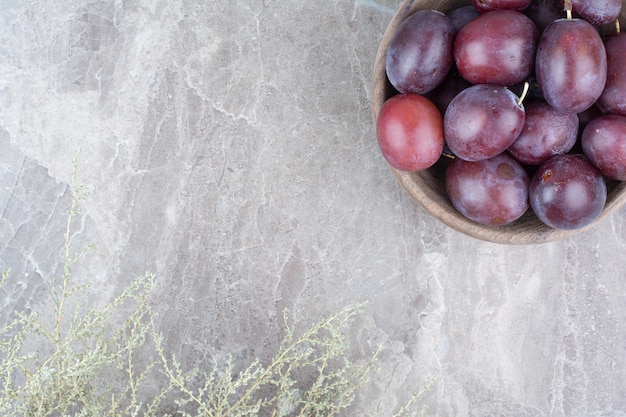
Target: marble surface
{"points": [[228, 147]]}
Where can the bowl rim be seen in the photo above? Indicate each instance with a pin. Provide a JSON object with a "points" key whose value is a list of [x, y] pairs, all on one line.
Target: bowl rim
{"points": [[419, 185]]}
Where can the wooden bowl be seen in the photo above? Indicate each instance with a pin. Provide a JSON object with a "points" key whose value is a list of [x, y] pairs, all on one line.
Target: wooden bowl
{"points": [[427, 187]]}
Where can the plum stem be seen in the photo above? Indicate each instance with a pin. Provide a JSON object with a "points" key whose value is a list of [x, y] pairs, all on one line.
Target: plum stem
{"points": [[524, 93], [617, 26], [567, 5]]}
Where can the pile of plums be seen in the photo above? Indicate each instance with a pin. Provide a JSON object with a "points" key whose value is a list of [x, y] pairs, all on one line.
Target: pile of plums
{"points": [[527, 98]]}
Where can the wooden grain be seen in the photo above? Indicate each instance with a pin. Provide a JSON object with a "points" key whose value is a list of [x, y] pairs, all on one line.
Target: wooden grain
{"points": [[427, 187]]}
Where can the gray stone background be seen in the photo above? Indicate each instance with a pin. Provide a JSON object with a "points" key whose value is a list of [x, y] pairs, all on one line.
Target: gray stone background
{"points": [[228, 147]]}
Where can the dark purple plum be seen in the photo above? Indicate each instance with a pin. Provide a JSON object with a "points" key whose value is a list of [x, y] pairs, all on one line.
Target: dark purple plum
{"points": [[547, 132], [613, 98], [583, 119], [588, 115], [496, 48], [445, 92], [604, 144], [462, 16], [544, 12], [492, 192], [419, 55], [482, 121], [597, 12], [571, 65], [567, 192]]}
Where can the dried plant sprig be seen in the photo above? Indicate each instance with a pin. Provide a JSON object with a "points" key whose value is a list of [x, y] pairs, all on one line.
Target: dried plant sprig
{"points": [[62, 364], [55, 363], [308, 376]]}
